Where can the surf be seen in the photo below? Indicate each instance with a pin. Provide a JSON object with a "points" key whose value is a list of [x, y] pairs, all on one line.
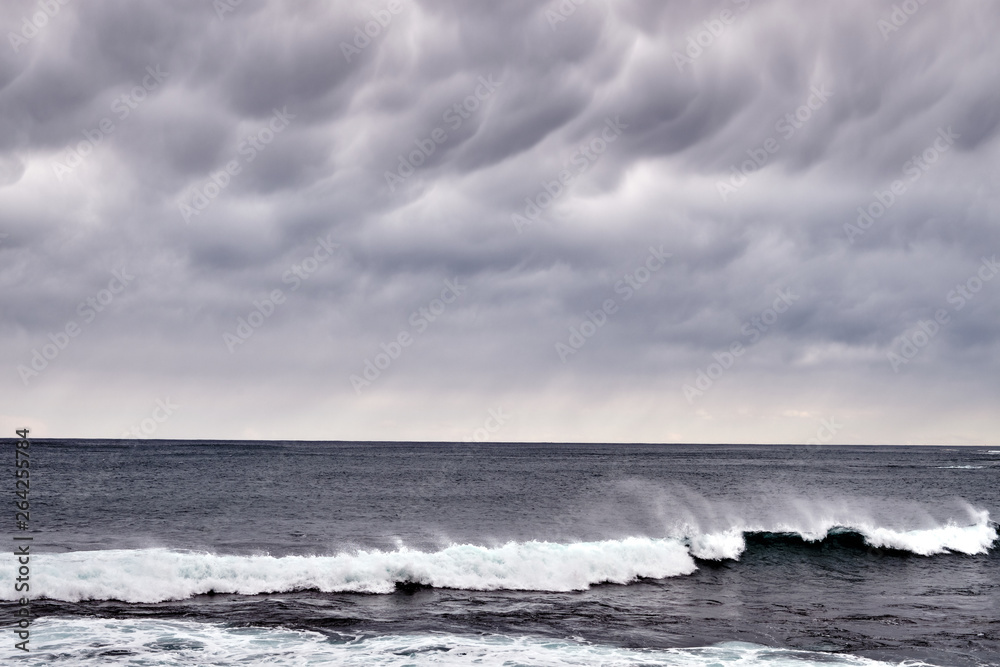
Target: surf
{"points": [[156, 575], [948, 538], [174, 642], [160, 574]]}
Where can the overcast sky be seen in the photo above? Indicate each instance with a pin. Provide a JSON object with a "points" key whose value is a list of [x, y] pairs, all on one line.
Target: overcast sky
{"points": [[731, 221]]}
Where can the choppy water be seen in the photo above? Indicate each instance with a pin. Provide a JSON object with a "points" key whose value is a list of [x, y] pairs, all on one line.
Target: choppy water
{"points": [[224, 553]]}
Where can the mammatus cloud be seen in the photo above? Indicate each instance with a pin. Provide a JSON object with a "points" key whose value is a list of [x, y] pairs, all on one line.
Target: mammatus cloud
{"points": [[743, 221]]}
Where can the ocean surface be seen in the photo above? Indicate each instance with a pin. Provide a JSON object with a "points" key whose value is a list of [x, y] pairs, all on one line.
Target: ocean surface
{"points": [[244, 553]]}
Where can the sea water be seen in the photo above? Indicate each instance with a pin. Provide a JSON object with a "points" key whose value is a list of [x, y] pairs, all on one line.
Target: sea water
{"points": [[236, 553]]}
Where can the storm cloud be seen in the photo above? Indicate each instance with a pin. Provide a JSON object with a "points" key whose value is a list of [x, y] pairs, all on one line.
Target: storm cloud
{"points": [[575, 220]]}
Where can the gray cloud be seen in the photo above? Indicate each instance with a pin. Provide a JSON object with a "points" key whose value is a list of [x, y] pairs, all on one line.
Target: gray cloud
{"points": [[79, 200]]}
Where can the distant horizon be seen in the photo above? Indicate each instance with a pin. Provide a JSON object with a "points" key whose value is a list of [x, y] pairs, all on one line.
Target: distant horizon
{"points": [[531, 222], [514, 442]]}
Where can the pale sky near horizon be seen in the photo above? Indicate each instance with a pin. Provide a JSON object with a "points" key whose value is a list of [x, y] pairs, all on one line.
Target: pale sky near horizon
{"points": [[635, 221]]}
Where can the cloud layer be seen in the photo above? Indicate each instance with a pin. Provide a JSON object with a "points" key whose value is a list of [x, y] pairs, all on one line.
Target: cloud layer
{"points": [[611, 221]]}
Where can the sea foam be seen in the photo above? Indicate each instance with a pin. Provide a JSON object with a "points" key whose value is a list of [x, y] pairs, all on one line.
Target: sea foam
{"points": [[156, 575], [88, 642], [976, 538]]}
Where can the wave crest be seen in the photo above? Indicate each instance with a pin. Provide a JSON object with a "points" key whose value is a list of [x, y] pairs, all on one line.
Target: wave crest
{"points": [[950, 538], [156, 575]]}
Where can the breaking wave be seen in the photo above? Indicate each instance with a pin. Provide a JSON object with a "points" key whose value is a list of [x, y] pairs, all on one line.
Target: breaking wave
{"points": [[950, 537], [155, 575]]}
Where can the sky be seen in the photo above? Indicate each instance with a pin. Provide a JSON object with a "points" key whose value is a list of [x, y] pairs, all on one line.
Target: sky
{"points": [[739, 221]]}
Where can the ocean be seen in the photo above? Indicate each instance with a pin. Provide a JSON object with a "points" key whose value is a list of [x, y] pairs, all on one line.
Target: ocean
{"points": [[342, 553]]}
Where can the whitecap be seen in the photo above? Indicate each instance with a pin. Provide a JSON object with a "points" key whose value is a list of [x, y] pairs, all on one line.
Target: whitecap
{"points": [[93, 641], [156, 575]]}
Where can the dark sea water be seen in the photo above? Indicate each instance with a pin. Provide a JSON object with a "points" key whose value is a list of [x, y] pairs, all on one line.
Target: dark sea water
{"points": [[243, 553]]}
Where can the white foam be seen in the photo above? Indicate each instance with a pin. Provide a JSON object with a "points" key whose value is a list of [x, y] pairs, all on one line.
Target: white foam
{"points": [[155, 575], [973, 539], [970, 540], [960, 467], [726, 545], [86, 642]]}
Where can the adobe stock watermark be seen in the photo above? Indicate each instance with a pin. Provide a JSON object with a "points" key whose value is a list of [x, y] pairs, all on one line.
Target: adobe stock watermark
{"points": [[561, 11], [914, 168], [898, 17], [264, 307], [223, 7], [787, 125], [706, 37], [495, 420], [122, 107], [31, 25], [726, 359], [582, 159], [827, 429], [202, 195], [629, 284], [918, 338], [420, 320], [455, 115], [88, 310], [363, 35], [148, 426]]}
